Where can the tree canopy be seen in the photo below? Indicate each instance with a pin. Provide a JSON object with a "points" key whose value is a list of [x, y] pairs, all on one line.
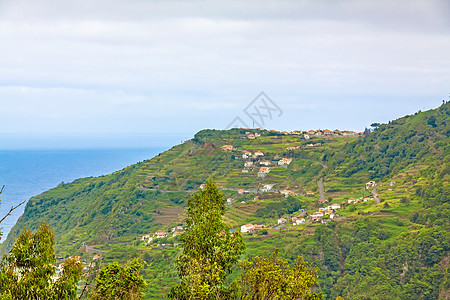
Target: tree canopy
{"points": [[209, 248], [28, 271]]}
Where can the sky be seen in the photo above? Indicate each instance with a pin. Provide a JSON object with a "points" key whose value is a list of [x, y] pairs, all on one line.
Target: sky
{"points": [[97, 73]]}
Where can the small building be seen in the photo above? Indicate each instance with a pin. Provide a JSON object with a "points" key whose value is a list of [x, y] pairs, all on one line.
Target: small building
{"points": [[286, 193], [264, 163], [251, 136], [297, 221], [335, 206], [327, 132], [281, 220], [370, 184], [284, 161], [246, 154], [246, 227], [251, 228], [259, 153], [317, 214], [248, 164], [227, 148], [267, 187], [263, 171], [160, 234], [309, 193], [351, 200]]}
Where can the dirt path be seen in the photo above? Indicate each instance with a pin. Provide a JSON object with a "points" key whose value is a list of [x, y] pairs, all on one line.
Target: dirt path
{"points": [[321, 189], [376, 196]]}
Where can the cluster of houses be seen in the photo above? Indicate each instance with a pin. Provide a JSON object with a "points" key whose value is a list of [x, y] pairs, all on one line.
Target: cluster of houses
{"points": [[147, 238], [329, 210], [320, 132], [353, 200], [257, 161], [295, 221]]}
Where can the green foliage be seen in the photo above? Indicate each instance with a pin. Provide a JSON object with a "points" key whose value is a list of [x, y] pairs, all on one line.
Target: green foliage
{"points": [[209, 249], [407, 268], [279, 208], [274, 278], [116, 281], [27, 271]]}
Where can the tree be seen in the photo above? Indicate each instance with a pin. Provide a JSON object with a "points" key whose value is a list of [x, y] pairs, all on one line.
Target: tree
{"points": [[28, 271], [432, 121], [273, 278], [209, 249], [117, 281], [10, 211]]}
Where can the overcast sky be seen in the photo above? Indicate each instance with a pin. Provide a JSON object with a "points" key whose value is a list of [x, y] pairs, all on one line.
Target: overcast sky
{"points": [[142, 73]]}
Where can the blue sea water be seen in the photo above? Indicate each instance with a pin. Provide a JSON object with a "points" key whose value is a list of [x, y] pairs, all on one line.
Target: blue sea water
{"points": [[26, 173]]}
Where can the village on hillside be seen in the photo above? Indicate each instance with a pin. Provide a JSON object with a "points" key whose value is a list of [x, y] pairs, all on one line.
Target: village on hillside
{"points": [[260, 164]]}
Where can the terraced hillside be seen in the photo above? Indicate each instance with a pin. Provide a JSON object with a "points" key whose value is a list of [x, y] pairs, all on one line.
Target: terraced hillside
{"points": [[383, 220]]}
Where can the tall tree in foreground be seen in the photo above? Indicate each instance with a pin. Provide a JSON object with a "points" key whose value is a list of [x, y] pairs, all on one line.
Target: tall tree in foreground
{"points": [[273, 278], [209, 248], [28, 271], [117, 281]]}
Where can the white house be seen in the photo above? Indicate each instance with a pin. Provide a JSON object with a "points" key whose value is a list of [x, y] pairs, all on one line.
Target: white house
{"points": [[160, 234], [335, 206], [317, 214], [297, 221], [267, 187], [246, 154], [248, 164], [287, 192], [259, 153], [246, 227], [284, 161], [264, 170], [281, 220], [370, 184], [265, 163]]}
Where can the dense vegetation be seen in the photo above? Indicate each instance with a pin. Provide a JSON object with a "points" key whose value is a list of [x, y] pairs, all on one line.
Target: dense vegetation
{"points": [[398, 247]]}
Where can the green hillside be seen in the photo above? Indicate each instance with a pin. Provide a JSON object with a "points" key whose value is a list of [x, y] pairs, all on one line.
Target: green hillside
{"points": [[391, 242]]}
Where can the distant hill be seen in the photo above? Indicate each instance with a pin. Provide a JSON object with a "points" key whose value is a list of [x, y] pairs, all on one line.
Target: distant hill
{"points": [[387, 240]]}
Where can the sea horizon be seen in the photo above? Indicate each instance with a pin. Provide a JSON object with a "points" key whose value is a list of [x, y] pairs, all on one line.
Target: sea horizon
{"points": [[29, 172]]}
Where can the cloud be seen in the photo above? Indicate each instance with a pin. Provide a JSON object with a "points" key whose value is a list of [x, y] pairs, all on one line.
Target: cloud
{"points": [[107, 65]]}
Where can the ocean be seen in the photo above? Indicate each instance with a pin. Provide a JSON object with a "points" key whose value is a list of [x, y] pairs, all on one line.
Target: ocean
{"points": [[26, 173]]}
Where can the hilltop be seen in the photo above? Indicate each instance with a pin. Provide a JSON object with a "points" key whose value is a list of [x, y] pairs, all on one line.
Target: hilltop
{"points": [[370, 209]]}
